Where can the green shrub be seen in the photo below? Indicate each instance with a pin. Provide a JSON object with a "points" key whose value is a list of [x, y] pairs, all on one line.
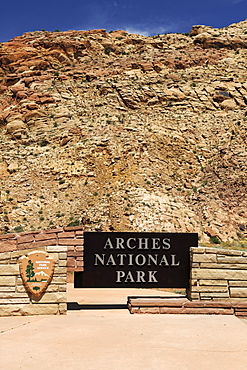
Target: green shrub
{"points": [[214, 240], [74, 223], [239, 235], [107, 50], [43, 142], [18, 229]]}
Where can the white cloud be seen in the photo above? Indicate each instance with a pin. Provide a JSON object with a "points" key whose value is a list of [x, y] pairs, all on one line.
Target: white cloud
{"points": [[146, 30], [136, 31], [232, 2]]}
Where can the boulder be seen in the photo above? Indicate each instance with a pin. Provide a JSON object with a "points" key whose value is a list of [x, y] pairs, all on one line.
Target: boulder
{"points": [[13, 166], [196, 30], [2, 89], [13, 116], [14, 126], [34, 114], [229, 104]]}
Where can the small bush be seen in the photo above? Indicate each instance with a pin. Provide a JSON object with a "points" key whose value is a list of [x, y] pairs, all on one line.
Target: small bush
{"points": [[74, 223], [43, 142], [239, 235], [214, 240], [18, 229], [107, 50]]}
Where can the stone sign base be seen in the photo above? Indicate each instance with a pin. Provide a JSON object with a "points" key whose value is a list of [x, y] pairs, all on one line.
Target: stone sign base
{"points": [[16, 300], [164, 305]]}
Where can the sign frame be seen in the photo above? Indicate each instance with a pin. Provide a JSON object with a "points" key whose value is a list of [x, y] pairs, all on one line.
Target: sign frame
{"points": [[136, 260]]}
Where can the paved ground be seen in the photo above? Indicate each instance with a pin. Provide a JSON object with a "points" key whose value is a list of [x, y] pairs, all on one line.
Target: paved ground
{"points": [[99, 333]]}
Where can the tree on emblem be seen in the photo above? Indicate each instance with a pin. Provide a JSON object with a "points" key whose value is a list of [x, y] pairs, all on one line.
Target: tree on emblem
{"points": [[30, 271], [36, 288]]}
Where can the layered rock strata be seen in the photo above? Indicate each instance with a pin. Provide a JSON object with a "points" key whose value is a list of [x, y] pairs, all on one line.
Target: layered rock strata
{"points": [[122, 132]]}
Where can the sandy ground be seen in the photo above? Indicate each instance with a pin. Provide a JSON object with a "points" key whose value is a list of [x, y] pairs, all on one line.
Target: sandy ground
{"points": [[100, 333]]}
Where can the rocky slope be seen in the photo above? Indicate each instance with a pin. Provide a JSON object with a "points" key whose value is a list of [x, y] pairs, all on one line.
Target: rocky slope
{"points": [[124, 132]]}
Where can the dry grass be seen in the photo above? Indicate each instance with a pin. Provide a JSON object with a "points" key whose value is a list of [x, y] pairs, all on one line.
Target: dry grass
{"points": [[240, 245]]}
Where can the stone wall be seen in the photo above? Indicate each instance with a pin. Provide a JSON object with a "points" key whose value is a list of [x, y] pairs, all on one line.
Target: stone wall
{"points": [[166, 305], [218, 274], [15, 299], [218, 285], [72, 237]]}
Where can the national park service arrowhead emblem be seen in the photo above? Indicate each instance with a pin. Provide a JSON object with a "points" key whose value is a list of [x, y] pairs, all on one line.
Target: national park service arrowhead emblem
{"points": [[36, 271]]}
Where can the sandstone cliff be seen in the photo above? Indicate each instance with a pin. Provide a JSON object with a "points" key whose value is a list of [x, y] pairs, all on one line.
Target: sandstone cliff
{"points": [[123, 132]]}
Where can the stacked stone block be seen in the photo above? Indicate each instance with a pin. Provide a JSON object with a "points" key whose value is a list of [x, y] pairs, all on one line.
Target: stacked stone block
{"points": [[164, 305], [218, 285], [72, 237], [218, 274], [14, 298]]}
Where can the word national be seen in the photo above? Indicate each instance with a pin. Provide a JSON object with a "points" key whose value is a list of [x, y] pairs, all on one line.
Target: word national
{"points": [[137, 259]]}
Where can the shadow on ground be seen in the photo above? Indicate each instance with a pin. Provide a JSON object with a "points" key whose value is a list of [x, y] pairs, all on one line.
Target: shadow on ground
{"points": [[75, 306]]}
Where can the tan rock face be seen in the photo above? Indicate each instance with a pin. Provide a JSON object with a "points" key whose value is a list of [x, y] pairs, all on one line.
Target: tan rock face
{"points": [[229, 104], [125, 132], [15, 125], [231, 37]]}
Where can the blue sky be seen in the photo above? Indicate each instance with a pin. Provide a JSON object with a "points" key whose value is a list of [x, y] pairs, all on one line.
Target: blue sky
{"points": [[136, 16]]}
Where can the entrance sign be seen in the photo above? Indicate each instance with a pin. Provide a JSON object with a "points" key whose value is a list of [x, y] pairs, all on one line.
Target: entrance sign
{"points": [[136, 260], [36, 271]]}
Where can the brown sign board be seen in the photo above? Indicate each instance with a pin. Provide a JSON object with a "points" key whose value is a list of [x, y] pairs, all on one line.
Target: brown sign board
{"points": [[136, 260], [36, 270]]}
